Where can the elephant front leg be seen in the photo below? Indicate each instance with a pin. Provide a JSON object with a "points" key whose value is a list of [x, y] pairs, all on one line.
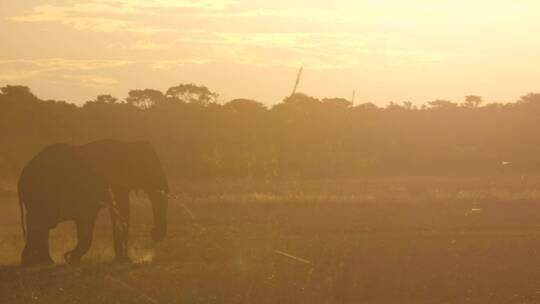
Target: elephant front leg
{"points": [[85, 232], [36, 249], [120, 217]]}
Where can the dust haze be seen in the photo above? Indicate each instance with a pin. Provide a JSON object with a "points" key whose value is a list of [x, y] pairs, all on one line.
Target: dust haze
{"points": [[237, 152]]}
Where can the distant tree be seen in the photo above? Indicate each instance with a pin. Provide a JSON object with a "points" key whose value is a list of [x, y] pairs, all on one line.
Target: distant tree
{"points": [[191, 93], [338, 102], [145, 99], [367, 106], [494, 106], [106, 99], [472, 101], [245, 106], [17, 93], [442, 104], [102, 100], [298, 103], [408, 105], [394, 106], [531, 98], [301, 99]]}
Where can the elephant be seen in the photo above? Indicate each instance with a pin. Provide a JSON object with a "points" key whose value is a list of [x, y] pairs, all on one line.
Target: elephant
{"points": [[72, 183]]}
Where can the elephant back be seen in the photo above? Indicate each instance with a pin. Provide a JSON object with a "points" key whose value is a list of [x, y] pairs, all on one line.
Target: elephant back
{"points": [[58, 185]]}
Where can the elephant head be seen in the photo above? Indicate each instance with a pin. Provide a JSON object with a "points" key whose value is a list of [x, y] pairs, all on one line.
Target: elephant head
{"points": [[147, 174], [153, 182], [133, 166]]}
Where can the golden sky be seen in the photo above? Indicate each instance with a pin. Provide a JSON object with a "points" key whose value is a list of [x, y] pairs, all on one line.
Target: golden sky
{"points": [[386, 50]]}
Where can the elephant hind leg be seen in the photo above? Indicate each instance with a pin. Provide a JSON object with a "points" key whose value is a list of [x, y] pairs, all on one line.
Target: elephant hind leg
{"points": [[85, 232], [36, 250]]}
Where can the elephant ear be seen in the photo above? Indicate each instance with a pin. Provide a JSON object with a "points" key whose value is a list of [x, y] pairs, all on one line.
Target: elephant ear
{"points": [[151, 173], [97, 182]]}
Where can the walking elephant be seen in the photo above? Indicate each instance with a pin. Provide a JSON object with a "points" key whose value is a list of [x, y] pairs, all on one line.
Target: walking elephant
{"points": [[71, 183]]}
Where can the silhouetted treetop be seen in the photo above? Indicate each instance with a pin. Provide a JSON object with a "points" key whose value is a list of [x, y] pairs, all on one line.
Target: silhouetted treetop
{"points": [[245, 106], [337, 102], [106, 99], [531, 98], [17, 92], [472, 101], [301, 99], [191, 93], [367, 106], [145, 99], [442, 104]]}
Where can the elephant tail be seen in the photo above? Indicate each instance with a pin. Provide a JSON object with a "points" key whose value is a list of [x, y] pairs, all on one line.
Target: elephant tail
{"points": [[23, 224]]}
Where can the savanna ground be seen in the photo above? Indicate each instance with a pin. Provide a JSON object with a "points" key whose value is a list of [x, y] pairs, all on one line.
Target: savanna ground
{"points": [[371, 240]]}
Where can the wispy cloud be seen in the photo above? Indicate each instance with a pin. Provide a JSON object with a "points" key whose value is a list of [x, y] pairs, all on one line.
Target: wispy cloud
{"points": [[67, 64], [175, 63], [150, 45], [274, 39], [84, 17], [111, 15], [314, 50], [145, 45], [92, 81], [160, 4], [317, 50], [18, 69], [300, 13], [14, 75], [21, 69]]}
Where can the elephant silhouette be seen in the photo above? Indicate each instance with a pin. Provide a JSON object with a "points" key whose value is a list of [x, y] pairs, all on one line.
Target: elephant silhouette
{"points": [[72, 183]]}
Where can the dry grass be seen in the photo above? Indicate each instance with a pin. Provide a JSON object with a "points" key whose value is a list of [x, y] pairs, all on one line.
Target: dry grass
{"points": [[385, 240]]}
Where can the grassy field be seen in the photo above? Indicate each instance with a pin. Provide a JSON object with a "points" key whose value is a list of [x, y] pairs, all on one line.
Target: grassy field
{"points": [[373, 240]]}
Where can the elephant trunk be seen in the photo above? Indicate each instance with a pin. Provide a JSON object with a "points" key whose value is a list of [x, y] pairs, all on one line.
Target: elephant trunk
{"points": [[160, 201]]}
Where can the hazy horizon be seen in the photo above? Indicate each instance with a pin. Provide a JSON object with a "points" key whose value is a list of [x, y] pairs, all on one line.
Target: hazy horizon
{"points": [[387, 51]]}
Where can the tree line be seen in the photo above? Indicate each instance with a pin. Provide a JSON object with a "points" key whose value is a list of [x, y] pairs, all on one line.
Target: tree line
{"points": [[198, 136]]}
